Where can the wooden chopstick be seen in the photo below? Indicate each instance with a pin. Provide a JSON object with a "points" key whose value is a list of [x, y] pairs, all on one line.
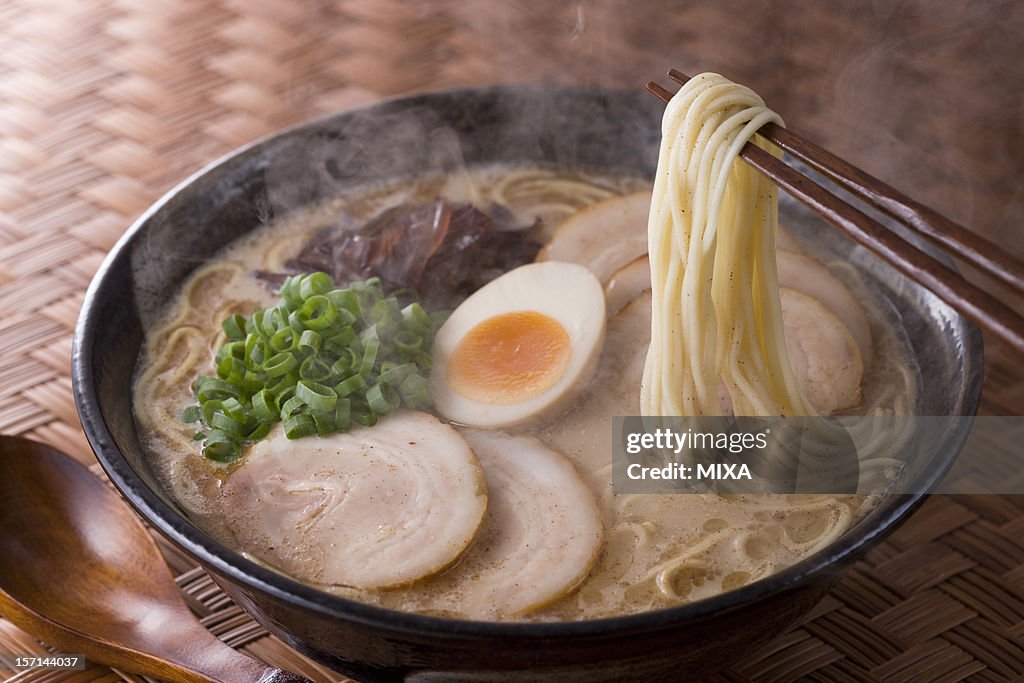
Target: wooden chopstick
{"points": [[968, 246], [965, 297]]}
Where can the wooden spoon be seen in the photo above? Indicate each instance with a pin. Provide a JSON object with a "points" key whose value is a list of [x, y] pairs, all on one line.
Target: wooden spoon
{"points": [[79, 570]]}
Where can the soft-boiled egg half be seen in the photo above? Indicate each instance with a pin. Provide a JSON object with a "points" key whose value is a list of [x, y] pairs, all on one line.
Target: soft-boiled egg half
{"points": [[520, 347]]}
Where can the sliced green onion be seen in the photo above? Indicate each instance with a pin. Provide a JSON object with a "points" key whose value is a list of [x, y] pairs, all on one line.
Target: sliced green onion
{"points": [[416, 318], [280, 364], [291, 406], [317, 313], [321, 360], [232, 349], [369, 356], [422, 360], [209, 408], [221, 446], [299, 426], [266, 325], [347, 386], [253, 381], [315, 368], [316, 396], [342, 366], [255, 350], [415, 392], [233, 409], [234, 327], [290, 292], [383, 312], [324, 422], [264, 407], [284, 339], [364, 417], [340, 339], [315, 284], [382, 399], [229, 425], [283, 386], [408, 341], [343, 413], [310, 342], [346, 300], [208, 388], [258, 433], [396, 374], [232, 371]]}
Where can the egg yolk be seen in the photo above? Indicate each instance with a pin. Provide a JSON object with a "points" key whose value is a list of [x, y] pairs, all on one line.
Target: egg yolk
{"points": [[509, 358]]}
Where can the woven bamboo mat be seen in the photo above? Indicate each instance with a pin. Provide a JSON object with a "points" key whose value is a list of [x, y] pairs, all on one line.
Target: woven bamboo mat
{"points": [[104, 105]]}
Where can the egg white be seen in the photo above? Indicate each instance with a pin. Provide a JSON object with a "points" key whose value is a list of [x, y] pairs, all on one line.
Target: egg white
{"points": [[567, 292]]}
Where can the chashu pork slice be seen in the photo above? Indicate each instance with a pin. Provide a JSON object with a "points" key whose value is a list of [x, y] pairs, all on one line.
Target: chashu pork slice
{"points": [[822, 352], [626, 285], [813, 278], [542, 532], [604, 236], [372, 507]]}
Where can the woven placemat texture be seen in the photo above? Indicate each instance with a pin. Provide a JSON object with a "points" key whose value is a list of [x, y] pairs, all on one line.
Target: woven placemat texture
{"points": [[105, 105]]}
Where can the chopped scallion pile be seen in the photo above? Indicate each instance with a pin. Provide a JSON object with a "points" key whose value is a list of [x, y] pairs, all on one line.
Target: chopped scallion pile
{"points": [[321, 360]]}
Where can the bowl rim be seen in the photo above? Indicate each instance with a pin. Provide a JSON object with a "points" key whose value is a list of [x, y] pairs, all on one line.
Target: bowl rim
{"points": [[891, 511]]}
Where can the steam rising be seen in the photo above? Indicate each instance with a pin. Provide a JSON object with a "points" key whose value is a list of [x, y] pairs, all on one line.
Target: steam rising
{"points": [[925, 95]]}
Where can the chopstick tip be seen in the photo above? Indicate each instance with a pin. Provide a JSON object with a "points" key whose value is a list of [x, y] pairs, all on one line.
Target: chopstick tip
{"points": [[658, 91], [678, 76]]}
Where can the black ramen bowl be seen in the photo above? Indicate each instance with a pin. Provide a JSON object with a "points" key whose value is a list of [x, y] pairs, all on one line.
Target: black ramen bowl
{"points": [[556, 127]]}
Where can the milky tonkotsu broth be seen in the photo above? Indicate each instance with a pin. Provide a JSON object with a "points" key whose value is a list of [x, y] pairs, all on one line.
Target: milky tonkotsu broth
{"points": [[659, 550]]}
